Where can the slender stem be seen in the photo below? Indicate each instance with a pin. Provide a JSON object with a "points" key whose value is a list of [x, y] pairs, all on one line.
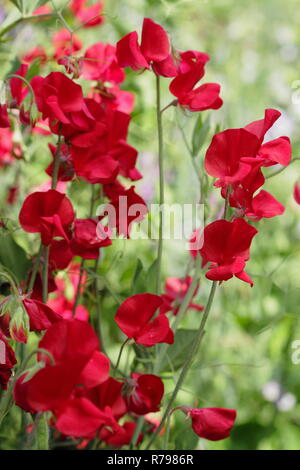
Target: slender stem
{"points": [[98, 305], [45, 274], [173, 103], [35, 270], [82, 264], [23, 79], [24, 18], [161, 183], [55, 171], [78, 289], [188, 362], [182, 309], [121, 352], [56, 162]]}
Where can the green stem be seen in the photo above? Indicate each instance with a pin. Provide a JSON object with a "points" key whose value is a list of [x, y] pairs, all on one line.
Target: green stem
{"points": [[77, 296], [45, 274], [82, 264], [161, 183], [35, 270], [56, 162], [188, 362], [116, 366], [182, 309], [24, 18], [98, 305]]}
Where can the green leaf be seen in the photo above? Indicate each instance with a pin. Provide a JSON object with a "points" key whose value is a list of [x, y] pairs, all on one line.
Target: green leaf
{"points": [[200, 133], [138, 278], [176, 353], [151, 278], [186, 439], [13, 257], [32, 5], [17, 4]]}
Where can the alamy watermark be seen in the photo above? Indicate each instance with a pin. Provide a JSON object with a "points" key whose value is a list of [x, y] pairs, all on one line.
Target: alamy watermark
{"points": [[179, 222]]}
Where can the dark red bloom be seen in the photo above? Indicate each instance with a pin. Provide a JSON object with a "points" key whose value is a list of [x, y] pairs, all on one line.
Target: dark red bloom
{"points": [[4, 120], [60, 99], [233, 153], [255, 206], [154, 48], [74, 347], [124, 209], [213, 424], [88, 237], [190, 71], [174, 293], [297, 193], [17, 86], [41, 317], [12, 195], [60, 254], [226, 246], [49, 213], [120, 435], [7, 361], [134, 318], [145, 393]]}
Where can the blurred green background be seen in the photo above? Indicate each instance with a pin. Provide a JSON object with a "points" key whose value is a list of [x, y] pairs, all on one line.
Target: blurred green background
{"points": [[246, 359]]}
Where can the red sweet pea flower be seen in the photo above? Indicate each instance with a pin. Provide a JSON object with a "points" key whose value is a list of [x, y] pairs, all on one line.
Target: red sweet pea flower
{"points": [[154, 48], [60, 255], [213, 424], [62, 43], [297, 193], [175, 291], [74, 347], [7, 361], [190, 71], [134, 318], [41, 317], [89, 16], [49, 213], [37, 52], [226, 246], [145, 393], [17, 86], [120, 435], [88, 237], [101, 64], [242, 196], [233, 153], [78, 417], [124, 209], [4, 120], [60, 99]]}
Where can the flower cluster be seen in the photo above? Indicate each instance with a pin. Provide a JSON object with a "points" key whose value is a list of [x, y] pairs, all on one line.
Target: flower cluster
{"points": [[88, 395]]}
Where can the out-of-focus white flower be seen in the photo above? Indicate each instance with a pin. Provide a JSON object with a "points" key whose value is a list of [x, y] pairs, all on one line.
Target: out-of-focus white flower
{"points": [[271, 391], [286, 402]]}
